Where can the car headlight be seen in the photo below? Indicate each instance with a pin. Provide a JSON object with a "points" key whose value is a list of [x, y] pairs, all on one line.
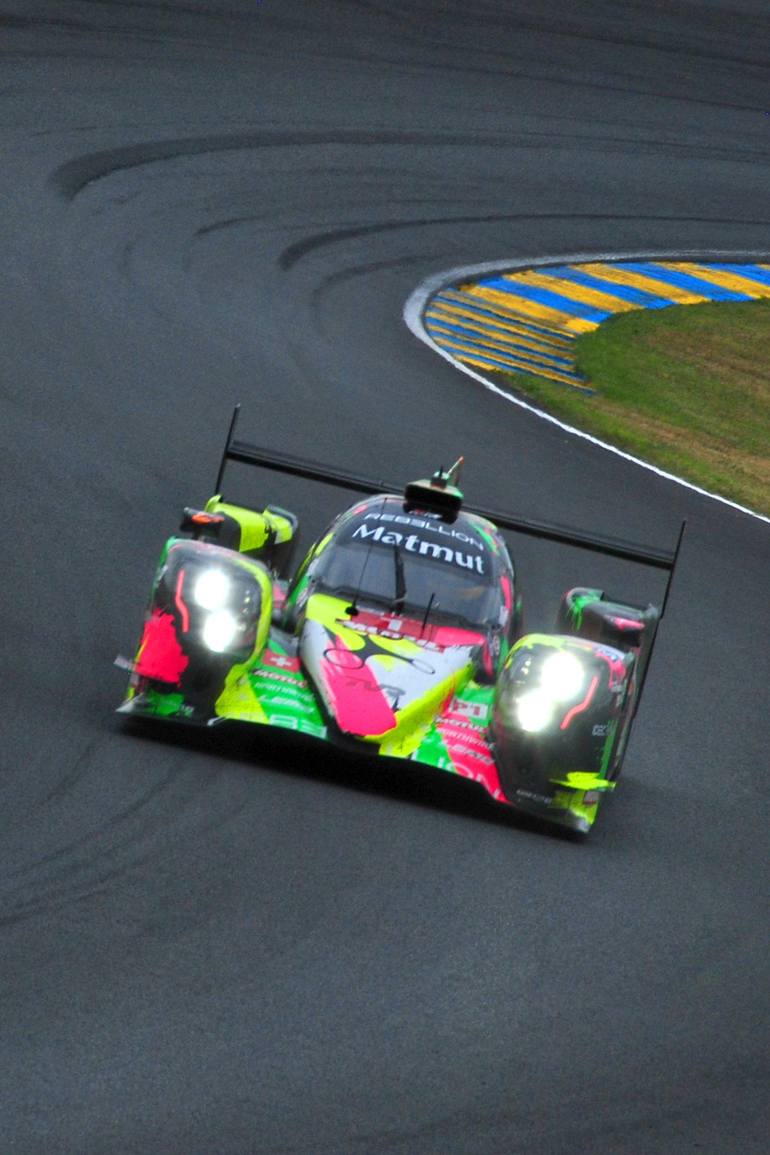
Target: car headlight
{"points": [[212, 589], [562, 676], [534, 710], [558, 679], [219, 630]]}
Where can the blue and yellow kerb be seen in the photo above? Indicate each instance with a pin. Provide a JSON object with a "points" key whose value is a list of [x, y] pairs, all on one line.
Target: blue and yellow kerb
{"points": [[528, 321]]}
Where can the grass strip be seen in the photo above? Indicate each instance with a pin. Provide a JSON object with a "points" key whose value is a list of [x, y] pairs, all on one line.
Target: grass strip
{"points": [[685, 388]]}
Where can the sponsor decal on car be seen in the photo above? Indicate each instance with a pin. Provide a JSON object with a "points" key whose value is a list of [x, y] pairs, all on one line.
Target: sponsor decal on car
{"points": [[272, 676], [433, 526], [414, 544], [479, 711]]}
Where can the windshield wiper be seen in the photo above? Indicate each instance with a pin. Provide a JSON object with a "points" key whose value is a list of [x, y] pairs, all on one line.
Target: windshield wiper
{"points": [[400, 598]]}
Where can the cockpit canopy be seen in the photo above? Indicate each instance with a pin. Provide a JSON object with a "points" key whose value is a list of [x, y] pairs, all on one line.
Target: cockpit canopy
{"points": [[409, 561]]}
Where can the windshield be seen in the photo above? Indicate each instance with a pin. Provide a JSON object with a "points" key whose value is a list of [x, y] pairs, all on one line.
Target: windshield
{"points": [[406, 581]]}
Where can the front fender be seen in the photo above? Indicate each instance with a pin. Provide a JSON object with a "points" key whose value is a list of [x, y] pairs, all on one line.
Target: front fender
{"points": [[209, 612], [560, 708]]}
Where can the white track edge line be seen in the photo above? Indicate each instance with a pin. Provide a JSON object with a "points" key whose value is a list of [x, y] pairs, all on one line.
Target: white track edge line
{"points": [[418, 300]]}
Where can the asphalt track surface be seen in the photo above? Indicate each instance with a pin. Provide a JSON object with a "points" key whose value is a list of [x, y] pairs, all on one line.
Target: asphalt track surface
{"points": [[271, 948]]}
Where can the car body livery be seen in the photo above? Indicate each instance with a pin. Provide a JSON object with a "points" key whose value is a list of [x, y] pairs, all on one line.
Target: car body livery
{"points": [[398, 635]]}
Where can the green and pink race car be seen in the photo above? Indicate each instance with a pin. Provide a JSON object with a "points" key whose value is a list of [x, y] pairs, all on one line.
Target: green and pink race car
{"points": [[398, 634]]}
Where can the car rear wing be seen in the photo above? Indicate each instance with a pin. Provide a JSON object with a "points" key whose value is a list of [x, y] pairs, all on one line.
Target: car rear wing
{"points": [[247, 454]]}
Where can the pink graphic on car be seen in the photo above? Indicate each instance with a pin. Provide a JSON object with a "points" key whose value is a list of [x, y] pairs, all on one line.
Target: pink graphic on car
{"points": [[356, 697], [160, 655], [371, 667]]}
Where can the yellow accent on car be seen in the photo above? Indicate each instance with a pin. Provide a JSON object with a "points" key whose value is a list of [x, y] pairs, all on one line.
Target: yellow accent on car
{"points": [[575, 804], [238, 699], [415, 719], [328, 612], [583, 780], [257, 528]]}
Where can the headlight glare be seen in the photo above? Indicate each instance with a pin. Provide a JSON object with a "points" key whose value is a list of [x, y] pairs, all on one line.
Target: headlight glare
{"points": [[212, 589], [219, 630], [562, 676], [534, 710]]}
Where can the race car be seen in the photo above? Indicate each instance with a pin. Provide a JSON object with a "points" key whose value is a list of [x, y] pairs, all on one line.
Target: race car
{"points": [[399, 634]]}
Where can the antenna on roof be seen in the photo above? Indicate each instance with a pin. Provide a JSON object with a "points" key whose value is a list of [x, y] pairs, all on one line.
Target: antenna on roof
{"points": [[438, 495], [444, 477], [453, 474]]}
